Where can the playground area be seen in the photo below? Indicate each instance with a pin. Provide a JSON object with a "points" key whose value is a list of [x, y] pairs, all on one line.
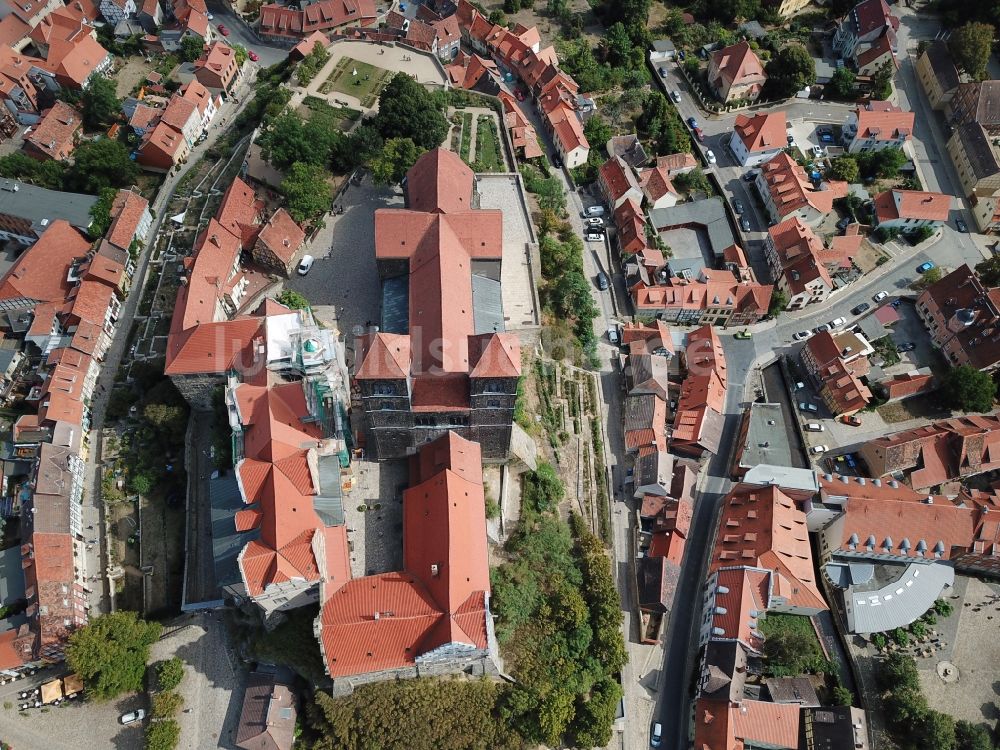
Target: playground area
{"points": [[357, 71]]}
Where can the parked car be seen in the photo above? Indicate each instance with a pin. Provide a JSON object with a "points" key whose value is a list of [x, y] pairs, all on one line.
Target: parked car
{"points": [[744, 224], [595, 237], [906, 346], [738, 205], [594, 221], [837, 322], [602, 280], [681, 55], [925, 267], [133, 716], [821, 328], [806, 406], [662, 72], [557, 161], [699, 136], [305, 264], [802, 335], [863, 307], [818, 152], [815, 427], [692, 123], [253, 56], [710, 156], [593, 211], [791, 139], [961, 226], [818, 449], [750, 176], [880, 296], [844, 223], [853, 420], [744, 334], [656, 735], [223, 30], [826, 137], [676, 96], [613, 335]]}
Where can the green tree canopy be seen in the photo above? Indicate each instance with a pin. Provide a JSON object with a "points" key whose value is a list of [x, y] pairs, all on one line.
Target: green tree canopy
{"points": [[937, 730], [163, 735], [845, 168], [408, 110], [882, 80], [789, 71], [291, 139], [395, 160], [885, 162], [968, 389], [169, 419], [598, 133], [169, 673], [779, 301], [101, 164], [616, 46], [841, 83], [306, 192], [989, 271], [969, 736], [292, 299], [166, 704], [192, 47], [101, 105], [970, 46], [100, 212], [842, 696], [110, 653]]}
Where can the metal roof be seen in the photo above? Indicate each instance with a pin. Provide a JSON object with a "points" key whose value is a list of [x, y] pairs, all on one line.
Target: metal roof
{"points": [[329, 502], [227, 543], [41, 207], [767, 441], [895, 596], [709, 213], [487, 305], [396, 305]]}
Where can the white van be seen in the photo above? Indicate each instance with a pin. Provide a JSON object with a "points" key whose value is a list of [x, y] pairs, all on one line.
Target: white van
{"points": [[815, 427], [305, 264]]}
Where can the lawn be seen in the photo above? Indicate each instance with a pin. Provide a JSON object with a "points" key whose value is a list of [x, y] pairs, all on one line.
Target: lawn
{"points": [[343, 117], [358, 79], [466, 137], [488, 154]]}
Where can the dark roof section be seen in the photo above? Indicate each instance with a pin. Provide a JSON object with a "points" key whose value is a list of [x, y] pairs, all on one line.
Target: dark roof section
{"points": [[267, 721], [657, 582], [978, 149], [943, 66], [725, 671]]}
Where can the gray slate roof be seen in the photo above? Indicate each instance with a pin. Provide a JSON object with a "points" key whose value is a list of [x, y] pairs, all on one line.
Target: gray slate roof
{"points": [[41, 206]]}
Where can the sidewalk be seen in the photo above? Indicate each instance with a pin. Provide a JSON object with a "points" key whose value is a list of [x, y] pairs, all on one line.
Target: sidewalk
{"points": [[95, 562]]}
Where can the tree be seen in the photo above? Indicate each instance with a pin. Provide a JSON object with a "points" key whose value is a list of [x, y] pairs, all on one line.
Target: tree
{"points": [[170, 420], [969, 736], [100, 103], [885, 162], [293, 299], [968, 389], [616, 46], [790, 70], [882, 83], [598, 133], [920, 234], [845, 168], [937, 730], [166, 704], [101, 164], [192, 47], [163, 735], [906, 708], [408, 110], [842, 696], [306, 191], [779, 301], [390, 166], [788, 649], [169, 673], [241, 53], [989, 271], [100, 212], [594, 719], [841, 83], [497, 17], [970, 46], [110, 653]]}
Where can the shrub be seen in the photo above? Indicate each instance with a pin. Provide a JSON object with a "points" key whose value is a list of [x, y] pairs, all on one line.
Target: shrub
{"points": [[169, 673], [166, 704], [163, 735]]}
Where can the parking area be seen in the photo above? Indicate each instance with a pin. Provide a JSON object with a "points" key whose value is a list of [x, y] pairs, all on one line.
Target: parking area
{"points": [[808, 135]]}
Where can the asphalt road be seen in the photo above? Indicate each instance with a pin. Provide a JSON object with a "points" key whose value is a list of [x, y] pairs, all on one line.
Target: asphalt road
{"points": [[240, 33]]}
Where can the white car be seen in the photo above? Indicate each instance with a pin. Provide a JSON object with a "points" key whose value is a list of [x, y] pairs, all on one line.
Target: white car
{"points": [[595, 237], [818, 449], [802, 335], [594, 211], [133, 716], [880, 296], [676, 96], [305, 264], [815, 427], [837, 322], [710, 156], [594, 221]]}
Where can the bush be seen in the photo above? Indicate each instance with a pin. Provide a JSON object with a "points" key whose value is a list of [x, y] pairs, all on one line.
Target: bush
{"points": [[166, 704], [169, 673], [163, 735], [968, 389]]}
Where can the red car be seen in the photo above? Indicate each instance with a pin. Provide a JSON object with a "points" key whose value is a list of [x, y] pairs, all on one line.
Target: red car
{"points": [[253, 55], [519, 95], [223, 30]]}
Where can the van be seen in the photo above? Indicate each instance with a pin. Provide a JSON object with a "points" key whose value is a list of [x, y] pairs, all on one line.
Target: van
{"points": [[613, 335], [815, 427], [305, 264], [656, 735], [594, 211]]}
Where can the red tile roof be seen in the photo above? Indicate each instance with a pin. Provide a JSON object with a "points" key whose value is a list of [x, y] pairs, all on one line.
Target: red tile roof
{"points": [[764, 131], [912, 204], [324, 15], [617, 178], [738, 64], [127, 211], [40, 273], [282, 235], [884, 124], [55, 134], [386, 621], [791, 189], [439, 182]]}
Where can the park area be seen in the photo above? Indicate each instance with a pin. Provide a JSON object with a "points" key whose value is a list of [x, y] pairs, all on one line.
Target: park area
{"points": [[358, 79], [475, 137]]}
